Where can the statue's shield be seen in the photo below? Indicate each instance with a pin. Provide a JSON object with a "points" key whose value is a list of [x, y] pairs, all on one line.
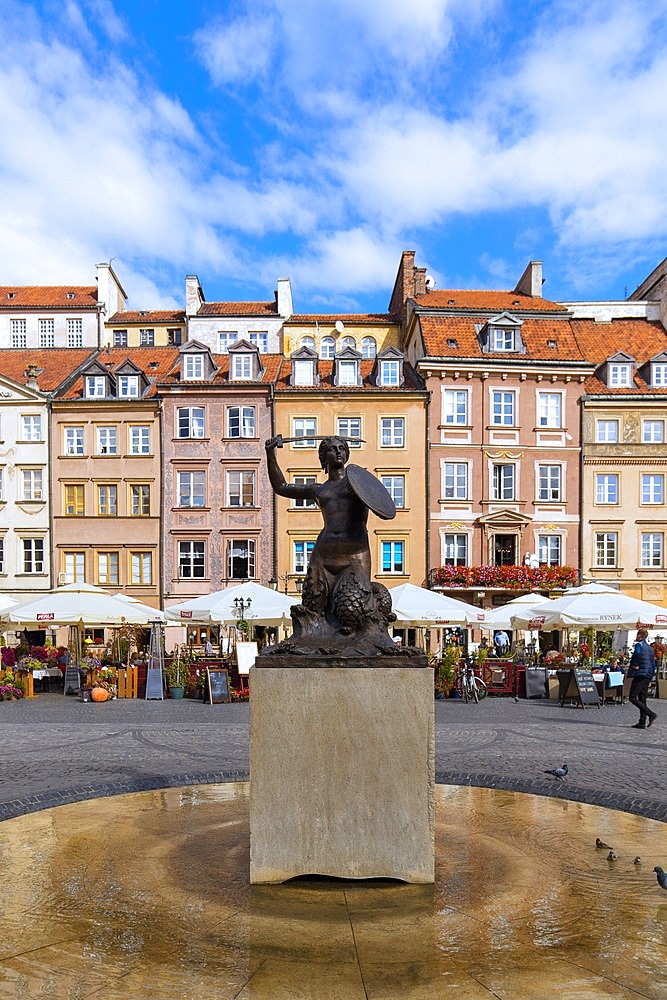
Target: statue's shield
{"points": [[371, 491]]}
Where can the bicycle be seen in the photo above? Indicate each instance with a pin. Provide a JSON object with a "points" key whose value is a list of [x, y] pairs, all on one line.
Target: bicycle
{"points": [[473, 688]]}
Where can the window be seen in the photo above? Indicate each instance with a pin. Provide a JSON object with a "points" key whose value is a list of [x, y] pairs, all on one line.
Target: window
{"points": [[303, 371], [2, 554], [190, 421], [304, 481], [260, 340], [225, 340], [350, 427], [191, 489], [174, 337], [191, 560], [658, 374], [301, 428], [107, 500], [392, 432], [395, 486], [140, 440], [107, 441], [31, 427], [120, 338], [74, 440], [240, 489], [240, 558], [128, 386], [455, 406], [107, 568], [456, 550], [653, 489], [32, 484], [75, 566], [392, 557], [308, 342], [75, 333], [47, 334], [502, 408], [140, 499], [368, 347], [147, 338], [606, 488], [301, 556], [456, 481], [502, 339], [347, 342], [607, 431], [2, 483], [242, 366], [619, 375], [348, 372], [549, 409], [548, 549], [327, 348], [193, 367], [390, 372], [653, 431], [141, 567], [33, 555], [75, 503], [651, 549], [18, 331], [549, 483], [503, 482], [241, 421], [606, 547]]}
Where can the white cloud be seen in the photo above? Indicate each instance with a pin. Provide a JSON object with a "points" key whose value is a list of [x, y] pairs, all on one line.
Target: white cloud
{"points": [[239, 50]]}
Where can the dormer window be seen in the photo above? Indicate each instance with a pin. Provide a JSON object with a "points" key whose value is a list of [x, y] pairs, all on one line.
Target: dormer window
{"points": [[244, 363], [501, 335], [502, 339], [128, 386], [619, 375], [193, 367], [304, 367], [659, 373], [96, 386], [346, 368], [389, 368]]}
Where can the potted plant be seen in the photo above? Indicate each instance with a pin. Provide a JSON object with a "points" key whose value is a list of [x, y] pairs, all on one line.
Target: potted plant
{"points": [[177, 673]]}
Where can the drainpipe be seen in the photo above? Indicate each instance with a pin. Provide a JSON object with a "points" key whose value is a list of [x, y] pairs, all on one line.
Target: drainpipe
{"points": [[427, 470], [161, 538], [274, 499], [49, 452], [581, 491]]}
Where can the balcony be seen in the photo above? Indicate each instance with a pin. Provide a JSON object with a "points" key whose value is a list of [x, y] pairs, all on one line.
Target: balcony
{"points": [[504, 577]]}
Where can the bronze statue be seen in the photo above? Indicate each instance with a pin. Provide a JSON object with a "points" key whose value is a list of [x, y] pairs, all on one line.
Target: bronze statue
{"points": [[342, 612]]}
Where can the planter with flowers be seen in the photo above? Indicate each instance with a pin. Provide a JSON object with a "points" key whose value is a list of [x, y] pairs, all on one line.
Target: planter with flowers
{"points": [[9, 692]]}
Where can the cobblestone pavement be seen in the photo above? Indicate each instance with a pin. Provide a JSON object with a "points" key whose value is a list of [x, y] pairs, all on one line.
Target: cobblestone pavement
{"points": [[57, 749]]}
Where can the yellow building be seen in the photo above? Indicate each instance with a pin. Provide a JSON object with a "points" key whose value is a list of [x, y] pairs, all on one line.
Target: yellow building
{"points": [[146, 328]]}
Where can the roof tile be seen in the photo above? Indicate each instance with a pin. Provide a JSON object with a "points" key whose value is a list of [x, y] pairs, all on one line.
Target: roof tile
{"points": [[16, 297]]}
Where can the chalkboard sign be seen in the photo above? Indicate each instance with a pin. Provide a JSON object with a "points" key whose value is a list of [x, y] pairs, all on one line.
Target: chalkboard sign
{"points": [[582, 686], [537, 682], [217, 685]]}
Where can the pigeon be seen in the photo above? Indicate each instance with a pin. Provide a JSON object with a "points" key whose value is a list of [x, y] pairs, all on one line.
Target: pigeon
{"points": [[637, 860], [516, 699], [601, 843], [612, 857], [661, 876], [558, 772]]}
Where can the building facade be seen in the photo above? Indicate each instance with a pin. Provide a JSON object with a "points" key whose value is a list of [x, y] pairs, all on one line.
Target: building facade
{"points": [[218, 325]]}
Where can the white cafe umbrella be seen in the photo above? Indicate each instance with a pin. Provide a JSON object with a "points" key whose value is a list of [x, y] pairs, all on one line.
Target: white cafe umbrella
{"points": [[268, 607], [76, 604], [7, 602], [502, 617], [605, 609], [416, 606], [152, 614]]}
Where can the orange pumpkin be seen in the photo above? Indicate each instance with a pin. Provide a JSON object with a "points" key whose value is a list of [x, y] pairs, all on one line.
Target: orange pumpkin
{"points": [[99, 694]]}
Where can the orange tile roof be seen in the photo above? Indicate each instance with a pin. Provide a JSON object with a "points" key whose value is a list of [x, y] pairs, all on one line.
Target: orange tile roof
{"points": [[154, 362], [238, 309], [325, 372], [438, 331], [15, 297], [144, 317], [358, 319], [54, 365], [486, 301], [640, 338]]}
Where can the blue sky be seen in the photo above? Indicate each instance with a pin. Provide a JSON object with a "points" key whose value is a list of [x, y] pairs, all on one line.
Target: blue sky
{"points": [[317, 139]]}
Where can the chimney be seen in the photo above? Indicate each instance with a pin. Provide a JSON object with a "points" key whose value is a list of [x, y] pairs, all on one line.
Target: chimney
{"points": [[530, 282], [194, 297], [284, 298], [31, 373]]}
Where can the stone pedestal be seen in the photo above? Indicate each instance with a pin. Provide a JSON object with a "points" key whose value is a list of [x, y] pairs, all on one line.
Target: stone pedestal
{"points": [[342, 765]]}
